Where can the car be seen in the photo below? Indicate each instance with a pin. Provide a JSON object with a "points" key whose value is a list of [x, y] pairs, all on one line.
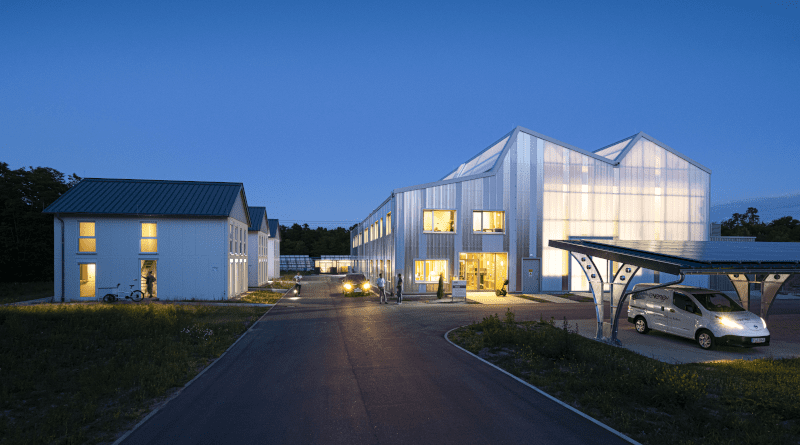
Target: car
{"points": [[707, 316], [355, 284]]}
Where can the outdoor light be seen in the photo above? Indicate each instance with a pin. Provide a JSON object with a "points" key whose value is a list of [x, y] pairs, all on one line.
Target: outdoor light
{"points": [[627, 269], [736, 275], [583, 258], [594, 276], [622, 278], [588, 266], [777, 277]]}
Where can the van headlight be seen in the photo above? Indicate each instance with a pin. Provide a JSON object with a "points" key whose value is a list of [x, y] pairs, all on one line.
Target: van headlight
{"points": [[366, 286], [725, 321], [764, 321], [348, 286]]}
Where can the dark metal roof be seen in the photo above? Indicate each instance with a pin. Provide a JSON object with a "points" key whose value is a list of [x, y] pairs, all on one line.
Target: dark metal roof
{"points": [[273, 227], [148, 197], [257, 215], [693, 257]]}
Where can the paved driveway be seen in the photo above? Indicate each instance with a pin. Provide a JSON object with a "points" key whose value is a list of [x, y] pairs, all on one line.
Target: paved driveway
{"points": [[325, 369]]}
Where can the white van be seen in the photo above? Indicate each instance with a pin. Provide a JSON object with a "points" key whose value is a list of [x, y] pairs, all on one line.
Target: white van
{"points": [[710, 317]]}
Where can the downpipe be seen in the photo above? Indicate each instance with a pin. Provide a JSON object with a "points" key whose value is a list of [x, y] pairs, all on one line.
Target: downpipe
{"points": [[625, 296], [62, 256]]}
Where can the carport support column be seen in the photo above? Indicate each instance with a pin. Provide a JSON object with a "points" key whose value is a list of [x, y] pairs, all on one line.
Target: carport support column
{"points": [[769, 289], [618, 288], [596, 285], [742, 285]]}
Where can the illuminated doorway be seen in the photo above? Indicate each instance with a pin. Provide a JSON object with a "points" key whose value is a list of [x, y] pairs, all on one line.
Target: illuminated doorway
{"points": [[483, 271], [87, 280], [148, 266]]}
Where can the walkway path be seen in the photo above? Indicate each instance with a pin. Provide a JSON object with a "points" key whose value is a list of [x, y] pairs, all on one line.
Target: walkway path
{"points": [[329, 370]]}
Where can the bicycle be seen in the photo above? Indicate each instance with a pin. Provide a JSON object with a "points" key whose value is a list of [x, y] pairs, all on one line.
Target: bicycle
{"points": [[134, 295]]}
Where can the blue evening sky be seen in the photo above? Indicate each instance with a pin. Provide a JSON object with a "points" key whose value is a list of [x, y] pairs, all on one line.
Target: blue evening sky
{"points": [[322, 108]]}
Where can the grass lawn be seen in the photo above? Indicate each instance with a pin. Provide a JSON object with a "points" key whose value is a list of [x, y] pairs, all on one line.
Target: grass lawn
{"points": [[260, 296], [736, 402], [14, 292], [83, 373]]}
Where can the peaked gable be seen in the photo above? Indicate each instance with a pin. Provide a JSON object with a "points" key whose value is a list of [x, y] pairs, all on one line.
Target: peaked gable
{"points": [[239, 210], [258, 219], [274, 229]]}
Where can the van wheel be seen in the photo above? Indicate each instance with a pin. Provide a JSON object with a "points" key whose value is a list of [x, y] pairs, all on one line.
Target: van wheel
{"points": [[705, 339], [641, 325]]}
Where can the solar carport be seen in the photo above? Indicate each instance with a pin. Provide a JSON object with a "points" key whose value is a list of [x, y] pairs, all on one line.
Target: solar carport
{"points": [[769, 264]]}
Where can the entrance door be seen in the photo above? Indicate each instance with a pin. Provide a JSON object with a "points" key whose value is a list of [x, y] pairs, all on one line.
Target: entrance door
{"points": [[483, 271], [146, 267], [87, 280], [530, 275]]}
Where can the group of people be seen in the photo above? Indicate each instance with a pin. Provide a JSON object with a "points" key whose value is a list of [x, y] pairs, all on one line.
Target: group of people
{"points": [[382, 289]]}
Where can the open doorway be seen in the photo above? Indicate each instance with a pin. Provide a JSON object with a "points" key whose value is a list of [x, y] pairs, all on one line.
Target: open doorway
{"points": [[149, 285], [87, 280]]}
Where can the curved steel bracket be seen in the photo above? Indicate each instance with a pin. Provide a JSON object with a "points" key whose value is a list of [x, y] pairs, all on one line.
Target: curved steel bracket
{"points": [[769, 289], [618, 294], [742, 285], [596, 285]]}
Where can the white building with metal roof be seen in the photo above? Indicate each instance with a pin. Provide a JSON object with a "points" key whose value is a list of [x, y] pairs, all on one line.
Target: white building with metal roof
{"points": [[491, 218], [274, 249], [191, 235], [258, 246]]}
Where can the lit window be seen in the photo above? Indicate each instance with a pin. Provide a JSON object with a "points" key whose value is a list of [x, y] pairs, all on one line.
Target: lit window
{"points": [[87, 280], [380, 225], [389, 223], [149, 243], [429, 270], [439, 220], [86, 237], [493, 222]]}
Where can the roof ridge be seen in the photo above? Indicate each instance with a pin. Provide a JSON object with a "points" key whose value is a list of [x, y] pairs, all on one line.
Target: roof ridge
{"points": [[161, 181]]}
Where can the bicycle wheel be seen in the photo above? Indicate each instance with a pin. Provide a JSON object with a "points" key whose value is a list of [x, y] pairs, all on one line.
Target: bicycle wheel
{"points": [[109, 298], [136, 295]]}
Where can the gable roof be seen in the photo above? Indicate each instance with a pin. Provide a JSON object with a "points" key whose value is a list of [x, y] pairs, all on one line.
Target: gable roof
{"points": [[274, 228], [617, 151], [149, 197], [257, 217]]}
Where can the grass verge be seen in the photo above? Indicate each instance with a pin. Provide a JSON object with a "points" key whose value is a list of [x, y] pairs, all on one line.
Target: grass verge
{"points": [[532, 298], [736, 402], [82, 373], [259, 296], [15, 292]]}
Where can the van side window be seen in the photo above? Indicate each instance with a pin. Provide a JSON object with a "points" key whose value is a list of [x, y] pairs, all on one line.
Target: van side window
{"points": [[684, 303]]}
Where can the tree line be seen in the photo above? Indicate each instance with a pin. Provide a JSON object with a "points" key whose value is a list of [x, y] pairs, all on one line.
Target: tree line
{"points": [[26, 234], [303, 240], [784, 229]]}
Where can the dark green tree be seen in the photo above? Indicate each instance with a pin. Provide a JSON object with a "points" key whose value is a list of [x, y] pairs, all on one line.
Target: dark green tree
{"points": [[302, 240]]}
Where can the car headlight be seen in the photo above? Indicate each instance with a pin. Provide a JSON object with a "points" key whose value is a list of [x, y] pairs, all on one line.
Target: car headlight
{"points": [[366, 286], [348, 286], [765, 322], [729, 323]]}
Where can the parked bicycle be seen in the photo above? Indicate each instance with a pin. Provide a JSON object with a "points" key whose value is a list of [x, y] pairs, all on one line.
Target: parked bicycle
{"points": [[134, 295]]}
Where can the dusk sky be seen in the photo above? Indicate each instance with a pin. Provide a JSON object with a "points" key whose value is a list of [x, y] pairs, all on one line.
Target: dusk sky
{"points": [[322, 108]]}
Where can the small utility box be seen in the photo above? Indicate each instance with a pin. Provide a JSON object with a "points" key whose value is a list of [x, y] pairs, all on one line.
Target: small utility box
{"points": [[459, 290]]}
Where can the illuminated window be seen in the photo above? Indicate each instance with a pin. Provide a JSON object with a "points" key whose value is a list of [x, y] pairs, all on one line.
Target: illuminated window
{"points": [[492, 222], [87, 280], [429, 270], [389, 223], [149, 242], [86, 237], [380, 225], [439, 220]]}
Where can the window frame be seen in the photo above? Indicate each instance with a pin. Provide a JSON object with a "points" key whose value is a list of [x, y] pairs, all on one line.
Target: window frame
{"points": [[425, 272], [78, 247], [142, 237], [483, 232], [455, 221]]}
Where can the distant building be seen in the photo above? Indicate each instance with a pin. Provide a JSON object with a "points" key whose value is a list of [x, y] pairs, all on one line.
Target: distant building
{"points": [[491, 218], [274, 252], [258, 246], [191, 235]]}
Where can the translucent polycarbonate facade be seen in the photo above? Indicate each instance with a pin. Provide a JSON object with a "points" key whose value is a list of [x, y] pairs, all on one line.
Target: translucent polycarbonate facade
{"points": [[528, 189]]}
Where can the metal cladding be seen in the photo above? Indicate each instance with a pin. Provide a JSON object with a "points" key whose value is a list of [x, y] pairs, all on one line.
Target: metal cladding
{"points": [[274, 227], [148, 197], [635, 189], [257, 216]]}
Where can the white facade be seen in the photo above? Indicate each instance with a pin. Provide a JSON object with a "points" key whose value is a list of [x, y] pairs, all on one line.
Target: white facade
{"points": [[258, 248], [274, 251], [493, 217]]}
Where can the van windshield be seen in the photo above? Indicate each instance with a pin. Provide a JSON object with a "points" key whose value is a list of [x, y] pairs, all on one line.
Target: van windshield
{"points": [[718, 302]]}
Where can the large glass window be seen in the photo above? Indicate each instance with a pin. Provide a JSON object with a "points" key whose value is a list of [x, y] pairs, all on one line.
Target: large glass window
{"points": [[485, 221], [389, 223], [429, 270], [439, 220], [149, 241], [86, 237], [483, 271], [87, 280]]}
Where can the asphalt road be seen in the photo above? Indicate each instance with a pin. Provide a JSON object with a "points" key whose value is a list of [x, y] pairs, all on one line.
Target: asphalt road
{"points": [[330, 370]]}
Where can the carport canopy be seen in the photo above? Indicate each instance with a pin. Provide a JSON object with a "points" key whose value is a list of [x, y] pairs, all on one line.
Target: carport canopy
{"points": [[773, 262]]}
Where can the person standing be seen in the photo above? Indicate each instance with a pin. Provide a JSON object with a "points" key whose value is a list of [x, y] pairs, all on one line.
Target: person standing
{"points": [[382, 289], [149, 280], [399, 289], [297, 279]]}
